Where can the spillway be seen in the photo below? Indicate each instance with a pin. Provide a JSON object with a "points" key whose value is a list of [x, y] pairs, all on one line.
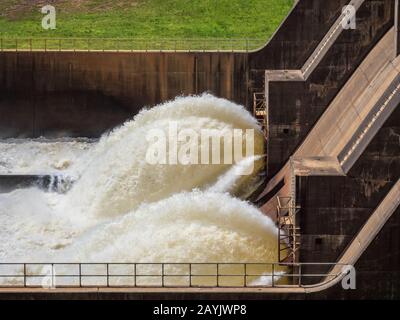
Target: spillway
{"points": [[326, 164], [122, 209]]}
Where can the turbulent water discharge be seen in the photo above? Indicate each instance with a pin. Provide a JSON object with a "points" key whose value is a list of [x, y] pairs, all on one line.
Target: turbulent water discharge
{"points": [[121, 208]]}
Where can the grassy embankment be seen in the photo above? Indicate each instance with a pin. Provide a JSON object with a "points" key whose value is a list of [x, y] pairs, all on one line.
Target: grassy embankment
{"points": [[152, 21]]}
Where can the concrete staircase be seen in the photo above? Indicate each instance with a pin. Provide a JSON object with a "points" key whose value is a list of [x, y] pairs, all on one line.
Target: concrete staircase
{"points": [[361, 241], [351, 120], [345, 129], [359, 110], [313, 61]]}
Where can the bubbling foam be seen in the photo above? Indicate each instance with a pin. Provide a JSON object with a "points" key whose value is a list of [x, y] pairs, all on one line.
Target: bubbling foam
{"points": [[191, 226], [123, 209], [117, 177]]}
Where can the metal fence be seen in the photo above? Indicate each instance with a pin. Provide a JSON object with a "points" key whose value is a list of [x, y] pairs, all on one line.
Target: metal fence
{"points": [[128, 45], [163, 275]]}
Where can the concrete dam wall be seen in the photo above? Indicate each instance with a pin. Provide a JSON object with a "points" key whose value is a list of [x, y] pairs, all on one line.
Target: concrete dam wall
{"points": [[57, 94], [85, 93]]}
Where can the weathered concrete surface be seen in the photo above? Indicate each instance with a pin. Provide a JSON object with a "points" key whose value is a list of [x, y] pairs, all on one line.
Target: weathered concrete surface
{"points": [[349, 123], [336, 127], [351, 112], [378, 277], [84, 94], [333, 208], [296, 106]]}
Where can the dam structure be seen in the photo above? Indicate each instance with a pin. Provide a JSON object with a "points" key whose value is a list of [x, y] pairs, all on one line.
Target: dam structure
{"points": [[326, 97]]}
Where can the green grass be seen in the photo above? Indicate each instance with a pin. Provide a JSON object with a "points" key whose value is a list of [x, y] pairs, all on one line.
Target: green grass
{"points": [[147, 19]]}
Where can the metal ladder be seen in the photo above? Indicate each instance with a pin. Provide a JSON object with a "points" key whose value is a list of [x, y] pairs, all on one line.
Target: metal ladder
{"points": [[288, 231], [260, 110]]}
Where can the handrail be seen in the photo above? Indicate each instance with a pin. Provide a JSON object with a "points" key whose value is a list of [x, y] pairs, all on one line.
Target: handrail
{"points": [[350, 256], [73, 44], [364, 237], [290, 75], [367, 130], [316, 56], [327, 41], [160, 275]]}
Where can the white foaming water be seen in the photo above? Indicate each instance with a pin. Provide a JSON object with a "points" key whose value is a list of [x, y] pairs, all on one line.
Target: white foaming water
{"points": [[32, 226], [123, 209], [195, 226], [116, 177], [235, 181], [42, 156]]}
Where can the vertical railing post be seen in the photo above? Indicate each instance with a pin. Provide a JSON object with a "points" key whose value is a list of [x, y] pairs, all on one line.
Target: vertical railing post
{"points": [[108, 281], [1, 44], [59, 44], [135, 271], [24, 275], [245, 275], [217, 274], [16, 44], [279, 235], [162, 275], [30, 44], [300, 275], [52, 275], [80, 275], [190, 275], [273, 275], [45, 45]]}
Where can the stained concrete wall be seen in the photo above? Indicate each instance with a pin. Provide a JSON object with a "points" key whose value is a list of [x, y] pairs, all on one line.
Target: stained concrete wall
{"points": [[296, 106], [84, 94], [333, 210]]}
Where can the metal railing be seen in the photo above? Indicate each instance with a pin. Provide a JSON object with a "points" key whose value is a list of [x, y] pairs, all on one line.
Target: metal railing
{"points": [[259, 105], [330, 37], [316, 56], [382, 109], [162, 275], [288, 230], [260, 111], [129, 44]]}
